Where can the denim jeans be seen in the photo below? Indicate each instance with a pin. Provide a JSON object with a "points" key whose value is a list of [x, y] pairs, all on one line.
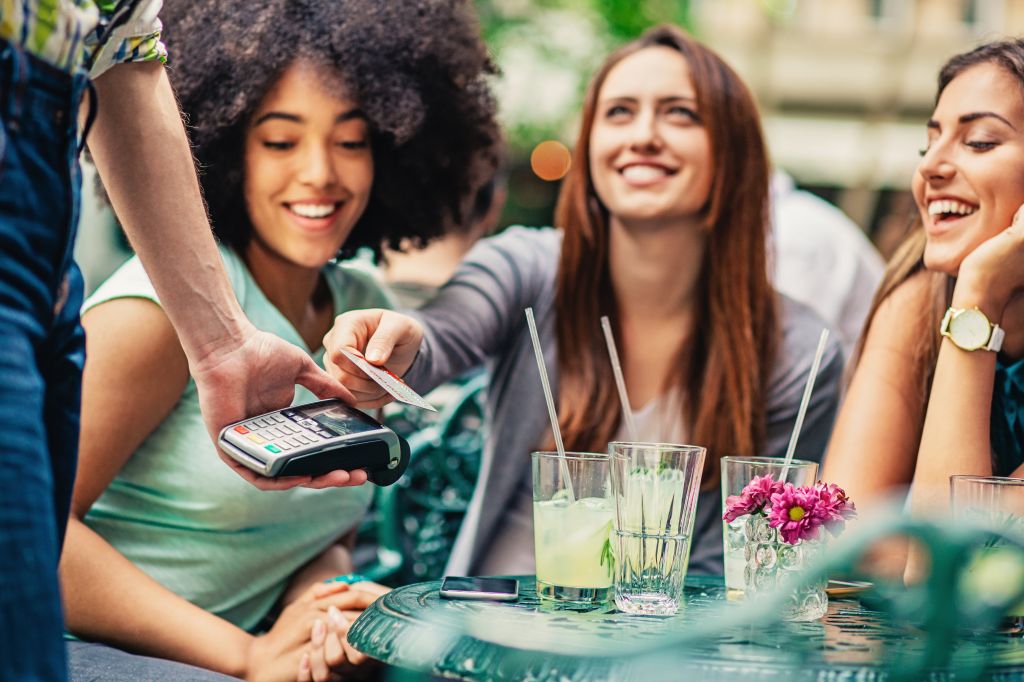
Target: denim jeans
{"points": [[90, 661], [42, 350]]}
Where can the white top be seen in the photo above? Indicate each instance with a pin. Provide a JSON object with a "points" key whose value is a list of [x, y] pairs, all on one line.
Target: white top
{"points": [[659, 421], [823, 259]]}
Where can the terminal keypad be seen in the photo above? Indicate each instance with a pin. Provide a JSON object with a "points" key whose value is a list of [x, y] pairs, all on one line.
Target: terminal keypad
{"points": [[284, 431]]}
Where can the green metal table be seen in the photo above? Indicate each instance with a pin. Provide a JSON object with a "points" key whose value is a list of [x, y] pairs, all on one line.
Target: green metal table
{"points": [[414, 629]]}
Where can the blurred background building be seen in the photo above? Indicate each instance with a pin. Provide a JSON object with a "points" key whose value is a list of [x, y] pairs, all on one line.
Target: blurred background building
{"points": [[844, 87]]}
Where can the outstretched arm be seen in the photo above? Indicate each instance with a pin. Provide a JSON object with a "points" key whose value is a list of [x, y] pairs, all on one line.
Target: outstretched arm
{"points": [[141, 151], [473, 317]]}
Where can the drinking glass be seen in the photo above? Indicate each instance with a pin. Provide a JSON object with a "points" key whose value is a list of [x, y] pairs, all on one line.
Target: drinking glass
{"points": [[988, 498], [572, 532], [655, 487], [995, 568], [736, 474]]}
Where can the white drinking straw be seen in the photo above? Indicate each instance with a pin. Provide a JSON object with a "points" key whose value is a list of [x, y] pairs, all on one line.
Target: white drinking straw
{"points": [[806, 399], [620, 381], [543, 371]]}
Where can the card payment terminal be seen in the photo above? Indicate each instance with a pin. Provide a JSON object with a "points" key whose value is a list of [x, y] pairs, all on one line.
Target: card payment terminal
{"points": [[313, 439]]}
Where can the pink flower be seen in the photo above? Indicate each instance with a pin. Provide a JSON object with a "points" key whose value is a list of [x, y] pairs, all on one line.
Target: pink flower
{"points": [[798, 513], [836, 505], [754, 496]]}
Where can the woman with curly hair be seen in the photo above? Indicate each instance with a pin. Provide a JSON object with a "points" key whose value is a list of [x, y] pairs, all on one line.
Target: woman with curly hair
{"points": [[664, 216], [319, 126]]}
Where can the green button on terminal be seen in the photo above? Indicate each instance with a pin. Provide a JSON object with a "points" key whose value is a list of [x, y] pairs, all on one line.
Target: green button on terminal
{"points": [[273, 448]]}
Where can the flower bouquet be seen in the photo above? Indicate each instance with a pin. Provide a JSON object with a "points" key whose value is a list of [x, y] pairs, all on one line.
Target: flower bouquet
{"points": [[783, 531]]}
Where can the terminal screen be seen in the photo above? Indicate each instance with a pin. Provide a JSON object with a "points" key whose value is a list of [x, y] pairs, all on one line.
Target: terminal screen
{"points": [[341, 420]]}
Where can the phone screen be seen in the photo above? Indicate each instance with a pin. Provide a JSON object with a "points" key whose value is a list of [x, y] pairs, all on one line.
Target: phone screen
{"points": [[503, 586]]}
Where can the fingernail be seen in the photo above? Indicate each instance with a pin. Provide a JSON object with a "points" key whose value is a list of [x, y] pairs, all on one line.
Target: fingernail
{"points": [[374, 355], [335, 616], [319, 632], [304, 663]]}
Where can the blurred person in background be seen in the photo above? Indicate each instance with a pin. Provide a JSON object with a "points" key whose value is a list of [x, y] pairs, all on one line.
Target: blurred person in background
{"points": [[823, 259], [665, 219], [938, 389], [414, 275], [175, 568]]}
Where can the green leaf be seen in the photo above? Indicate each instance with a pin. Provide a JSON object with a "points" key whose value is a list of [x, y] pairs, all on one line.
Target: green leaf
{"points": [[607, 556], [607, 553]]}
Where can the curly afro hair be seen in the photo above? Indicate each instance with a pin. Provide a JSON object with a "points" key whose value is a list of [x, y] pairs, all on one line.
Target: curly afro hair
{"points": [[418, 69]]}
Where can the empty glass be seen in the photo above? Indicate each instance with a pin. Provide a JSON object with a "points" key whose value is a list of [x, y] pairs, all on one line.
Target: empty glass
{"points": [[655, 487], [993, 500], [995, 571]]}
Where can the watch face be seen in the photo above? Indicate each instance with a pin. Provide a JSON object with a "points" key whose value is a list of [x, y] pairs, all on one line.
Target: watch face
{"points": [[970, 329]]}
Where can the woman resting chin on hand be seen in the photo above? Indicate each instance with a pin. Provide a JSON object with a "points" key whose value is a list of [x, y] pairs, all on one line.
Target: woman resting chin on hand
{"points": [[939, 388]]}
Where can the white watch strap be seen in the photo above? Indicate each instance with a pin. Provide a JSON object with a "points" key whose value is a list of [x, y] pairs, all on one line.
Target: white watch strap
{"points": [[995, 341]]}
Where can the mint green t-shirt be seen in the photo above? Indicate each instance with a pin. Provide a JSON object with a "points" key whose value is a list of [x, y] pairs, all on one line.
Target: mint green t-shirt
{"points": [[191, 523]]}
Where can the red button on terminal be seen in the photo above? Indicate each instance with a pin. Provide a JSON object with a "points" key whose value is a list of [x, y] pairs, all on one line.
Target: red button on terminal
{"points": [[241, 429]]}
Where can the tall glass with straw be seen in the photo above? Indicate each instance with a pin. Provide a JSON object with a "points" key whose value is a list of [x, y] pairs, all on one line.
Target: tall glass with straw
{"points": [[655, 487], [572, 516], [737, 472]]}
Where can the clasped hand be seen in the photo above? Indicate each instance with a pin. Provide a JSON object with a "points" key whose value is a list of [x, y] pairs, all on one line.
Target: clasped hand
{"points": [[308, 641]]}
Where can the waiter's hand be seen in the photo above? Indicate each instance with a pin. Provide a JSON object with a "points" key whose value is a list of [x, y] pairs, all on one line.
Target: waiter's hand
{"points": [[259, 375]]}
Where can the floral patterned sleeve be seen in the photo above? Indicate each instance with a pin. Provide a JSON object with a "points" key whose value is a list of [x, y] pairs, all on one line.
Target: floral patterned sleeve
{"points": [[134, 34]]}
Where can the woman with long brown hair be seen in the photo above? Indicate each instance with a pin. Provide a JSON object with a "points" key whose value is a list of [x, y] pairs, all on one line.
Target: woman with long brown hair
{"points": [[939, 386], [663, 219]]}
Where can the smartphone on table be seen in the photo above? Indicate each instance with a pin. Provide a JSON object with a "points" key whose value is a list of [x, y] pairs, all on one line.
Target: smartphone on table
{"points": [[484, 589]]}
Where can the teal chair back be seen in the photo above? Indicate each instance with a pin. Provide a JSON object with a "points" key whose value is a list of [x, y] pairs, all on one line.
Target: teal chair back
{"points": [[413, 523]]}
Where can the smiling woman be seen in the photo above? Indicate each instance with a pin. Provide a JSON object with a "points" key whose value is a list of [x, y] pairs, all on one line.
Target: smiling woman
{"points": [[933, 395], [971, 178], [320, 126], [663, 219], [646, 99], [309, 170]]}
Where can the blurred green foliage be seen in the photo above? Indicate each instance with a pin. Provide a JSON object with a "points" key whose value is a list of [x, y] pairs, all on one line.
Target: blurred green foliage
{"points": [[562, 42], [547, 50], [629, 18]]}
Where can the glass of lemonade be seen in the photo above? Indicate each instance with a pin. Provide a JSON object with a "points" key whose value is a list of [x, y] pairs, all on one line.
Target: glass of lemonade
{"points": [[655, 487], [736, 474], [572, 531]]}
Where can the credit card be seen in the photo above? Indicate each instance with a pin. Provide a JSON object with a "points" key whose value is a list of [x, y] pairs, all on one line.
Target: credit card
{"points": [[390, 382]]}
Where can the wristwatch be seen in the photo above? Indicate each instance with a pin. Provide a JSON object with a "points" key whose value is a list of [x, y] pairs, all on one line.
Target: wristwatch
{"points": [[969, 329]]}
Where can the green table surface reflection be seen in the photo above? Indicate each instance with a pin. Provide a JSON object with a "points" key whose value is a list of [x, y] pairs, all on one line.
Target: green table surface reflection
{"points": [[413, 628]]}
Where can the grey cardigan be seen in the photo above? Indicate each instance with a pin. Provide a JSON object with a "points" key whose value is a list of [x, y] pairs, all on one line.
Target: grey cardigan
{"points": [[478, 318]]}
